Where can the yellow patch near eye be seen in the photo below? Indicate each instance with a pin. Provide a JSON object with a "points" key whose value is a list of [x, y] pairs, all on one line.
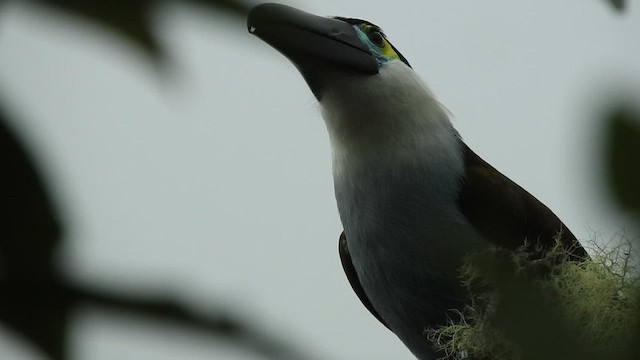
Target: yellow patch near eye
{"points": [[386, 50]]}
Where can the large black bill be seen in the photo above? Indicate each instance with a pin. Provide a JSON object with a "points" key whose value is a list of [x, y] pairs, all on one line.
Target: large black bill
{"points": [[310, 41]]}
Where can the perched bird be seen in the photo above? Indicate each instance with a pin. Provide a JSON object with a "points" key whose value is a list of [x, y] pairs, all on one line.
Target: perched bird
{"points": [[413, 198]]}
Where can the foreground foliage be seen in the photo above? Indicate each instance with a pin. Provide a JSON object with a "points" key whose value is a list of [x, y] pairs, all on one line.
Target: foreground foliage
{"points": [[594, 303]]}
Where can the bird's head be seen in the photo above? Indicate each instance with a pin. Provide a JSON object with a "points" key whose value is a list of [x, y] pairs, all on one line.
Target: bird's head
{"points": [[324, 48], [368, 93]]}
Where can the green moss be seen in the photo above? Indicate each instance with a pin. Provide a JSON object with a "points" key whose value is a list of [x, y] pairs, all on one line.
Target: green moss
{"points": [[596, 301]]}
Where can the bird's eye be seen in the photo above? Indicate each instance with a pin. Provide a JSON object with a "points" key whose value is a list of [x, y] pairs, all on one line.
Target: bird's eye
{"points": [[376, 38]]}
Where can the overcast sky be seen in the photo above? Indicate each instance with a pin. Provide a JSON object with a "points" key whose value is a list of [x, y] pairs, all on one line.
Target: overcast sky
{"points": [[215, 183]]}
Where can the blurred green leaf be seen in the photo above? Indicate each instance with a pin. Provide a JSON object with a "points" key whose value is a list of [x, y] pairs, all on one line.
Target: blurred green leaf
{"points": [[623, 156], [527, 315], [134, 19], [31, 303], [31, 230], [617, 4], [240, 8], [131, 19], [36, 301], [528, 309]]}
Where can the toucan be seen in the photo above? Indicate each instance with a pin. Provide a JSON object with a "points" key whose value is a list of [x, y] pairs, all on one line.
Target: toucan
{"points": [[413, 198]]}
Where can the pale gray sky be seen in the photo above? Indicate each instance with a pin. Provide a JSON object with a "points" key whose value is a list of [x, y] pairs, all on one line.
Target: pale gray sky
{"points": [[226, 173]]}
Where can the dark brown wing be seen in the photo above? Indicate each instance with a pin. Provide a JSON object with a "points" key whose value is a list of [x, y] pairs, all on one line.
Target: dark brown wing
{"points": [[352, 276], [506, 214]]}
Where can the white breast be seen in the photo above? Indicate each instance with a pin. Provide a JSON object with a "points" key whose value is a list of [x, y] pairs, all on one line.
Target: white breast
{"points": [[397, 166]]}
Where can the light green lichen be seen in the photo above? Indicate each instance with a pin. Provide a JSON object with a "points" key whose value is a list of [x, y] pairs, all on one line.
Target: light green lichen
{"points": [[599, 298]]}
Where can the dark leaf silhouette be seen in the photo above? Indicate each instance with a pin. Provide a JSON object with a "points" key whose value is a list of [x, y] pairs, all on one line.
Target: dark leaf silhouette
{"points": [[532, 317], [617, 4], [31, 234], [36, 301], [527, 316], [133, 19], [236, 7], [623, 157], [130, 19]]}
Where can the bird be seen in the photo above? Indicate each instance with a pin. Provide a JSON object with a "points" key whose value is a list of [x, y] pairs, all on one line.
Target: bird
{"points": [[413, 198]]}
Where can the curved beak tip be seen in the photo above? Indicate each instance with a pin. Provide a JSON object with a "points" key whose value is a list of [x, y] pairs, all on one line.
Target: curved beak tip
{"points": [[309, 40], [272, 14]]}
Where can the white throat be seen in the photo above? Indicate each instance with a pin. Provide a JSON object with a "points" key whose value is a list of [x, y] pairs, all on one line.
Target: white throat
{"points": [[397, 167], [396, 156], [389, 117]]}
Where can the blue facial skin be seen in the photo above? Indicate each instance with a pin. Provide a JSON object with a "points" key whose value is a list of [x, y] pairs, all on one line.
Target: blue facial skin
{"points": [[375, 50]]}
